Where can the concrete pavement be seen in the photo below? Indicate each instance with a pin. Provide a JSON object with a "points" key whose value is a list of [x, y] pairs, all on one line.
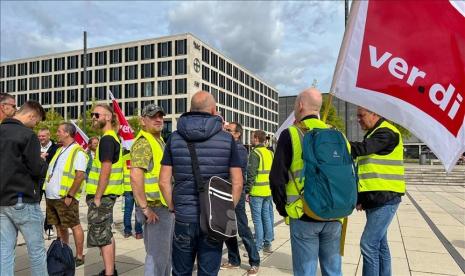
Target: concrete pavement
{"points": [[426, 237]]}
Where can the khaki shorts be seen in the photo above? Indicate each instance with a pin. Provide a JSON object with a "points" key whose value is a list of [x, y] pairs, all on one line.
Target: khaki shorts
{"points": [[99, 221], [61, 215]]}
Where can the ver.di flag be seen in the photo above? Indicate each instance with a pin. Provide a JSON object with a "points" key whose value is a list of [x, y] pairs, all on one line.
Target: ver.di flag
{"points": [[125, 131], [405, 60], [80, 137]]}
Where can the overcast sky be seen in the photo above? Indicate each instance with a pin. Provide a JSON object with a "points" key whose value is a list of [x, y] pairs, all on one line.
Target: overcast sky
{"points": [[287, 44]]}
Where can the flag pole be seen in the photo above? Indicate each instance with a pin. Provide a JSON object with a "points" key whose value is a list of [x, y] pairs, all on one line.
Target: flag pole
{"points": [[84, 115]]}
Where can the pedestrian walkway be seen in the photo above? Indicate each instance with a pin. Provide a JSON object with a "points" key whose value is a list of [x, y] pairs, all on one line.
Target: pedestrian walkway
{"points": [[427, 237]]}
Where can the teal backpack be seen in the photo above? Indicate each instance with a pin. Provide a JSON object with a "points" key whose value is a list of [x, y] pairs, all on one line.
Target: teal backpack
{"points": [[330, 187]]}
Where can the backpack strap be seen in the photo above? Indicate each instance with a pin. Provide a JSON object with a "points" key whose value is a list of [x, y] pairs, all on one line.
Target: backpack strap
{"points": [[195, 167]]}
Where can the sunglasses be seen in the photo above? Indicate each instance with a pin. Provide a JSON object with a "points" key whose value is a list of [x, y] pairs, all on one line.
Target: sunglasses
{"points": [[96, 115]]}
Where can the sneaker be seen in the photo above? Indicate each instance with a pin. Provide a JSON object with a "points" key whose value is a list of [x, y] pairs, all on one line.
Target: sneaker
{"points": [[228, 266], [102, 273], [253, 270], [78, 261], [127, 235], [267, 249], [139, 236]]}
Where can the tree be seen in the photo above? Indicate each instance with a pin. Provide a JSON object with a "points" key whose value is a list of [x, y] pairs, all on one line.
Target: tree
{"points": [[333, 119], [52, 120]]}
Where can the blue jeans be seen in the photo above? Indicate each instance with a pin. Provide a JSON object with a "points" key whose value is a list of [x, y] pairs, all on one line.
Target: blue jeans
{"points": [[311, 241], [29, 220], [261, 217], [190, 243], [246, 236], [128, 207], [374, 244]]}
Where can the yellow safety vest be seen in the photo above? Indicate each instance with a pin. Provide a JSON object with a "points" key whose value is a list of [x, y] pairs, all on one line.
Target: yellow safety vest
{"points": [[294, 188], [382, 172], [115, 182], [261, 186], [126, 172], [152, 190], [69, 173]]}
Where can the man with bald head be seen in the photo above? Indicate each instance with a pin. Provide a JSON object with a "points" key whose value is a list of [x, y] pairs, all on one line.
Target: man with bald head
{"points": [[311, 240], [217, 156]]}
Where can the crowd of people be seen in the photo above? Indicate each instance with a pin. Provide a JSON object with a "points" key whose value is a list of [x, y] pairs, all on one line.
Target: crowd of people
{"points": [[156, 177]]}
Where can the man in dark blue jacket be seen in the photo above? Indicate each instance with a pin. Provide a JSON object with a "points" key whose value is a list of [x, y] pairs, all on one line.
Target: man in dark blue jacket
{"points": [[217, 156], [234, 260]]}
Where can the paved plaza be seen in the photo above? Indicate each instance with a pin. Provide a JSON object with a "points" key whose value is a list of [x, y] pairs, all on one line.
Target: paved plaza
{"points": [[426, 237]]}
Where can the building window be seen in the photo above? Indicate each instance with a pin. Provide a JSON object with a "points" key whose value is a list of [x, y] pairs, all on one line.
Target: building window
{"points": [[130, 90], [73, 79], [46, 66], [130, 54], [33, 67], [89, 77], [181, 67], [221, 65], [235, 73], [22, 69], [147, 51], [205, 55], [73, 62], [101, 58], [100, 75], [131, 72], [59, 80], [34, 83], [222, 81], [164, 68], [130, 108], [229, 85], [2, 72], [46, 98], [181, 105], [88, 60], [214, 93], [34, 97], [59, 97], [164, 87], [164, 49], [115, 74], [72, 112], [205, 87], [222, 97], [181, 47], [87, 94], [180, 86], [59, 64], [147, 89], [116, 91], [21, 99], [214, 77], [72, 95], [228, 68], [214, 60], [46, 82], [115, 56], [100, 93], [11, 86], [166, 105], [22, 84], [11, 70], [2, 87], [205, 73], [148, 70]]}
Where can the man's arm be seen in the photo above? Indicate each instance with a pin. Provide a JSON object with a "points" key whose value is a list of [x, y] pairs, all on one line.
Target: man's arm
{"points": [[279, 174], [382, 142], [165, 185], [237, 182], [252, 168]]}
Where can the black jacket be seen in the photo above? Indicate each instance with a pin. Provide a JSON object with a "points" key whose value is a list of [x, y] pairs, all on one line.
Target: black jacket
{"points": [[21, 166], [382, 142]]}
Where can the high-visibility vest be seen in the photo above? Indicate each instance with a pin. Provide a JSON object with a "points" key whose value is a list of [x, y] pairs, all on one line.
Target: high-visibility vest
{"points": [[115, 182], [261, 186], [295, 185], [69, 173], [382, 172], [126, 172], [151, 187]]}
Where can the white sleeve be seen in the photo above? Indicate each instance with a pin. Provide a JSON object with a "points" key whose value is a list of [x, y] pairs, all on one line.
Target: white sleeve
{"points": [[80, 164]]}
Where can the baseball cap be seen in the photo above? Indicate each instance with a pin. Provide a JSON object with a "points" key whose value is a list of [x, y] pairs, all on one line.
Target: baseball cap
{"points": [[152, 109]]}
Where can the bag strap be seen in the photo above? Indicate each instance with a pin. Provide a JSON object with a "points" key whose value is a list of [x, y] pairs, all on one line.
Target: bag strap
{"points": [[195, 167]]}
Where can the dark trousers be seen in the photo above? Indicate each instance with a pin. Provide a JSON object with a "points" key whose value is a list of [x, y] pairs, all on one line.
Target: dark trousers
{"points": [[246, 236]]}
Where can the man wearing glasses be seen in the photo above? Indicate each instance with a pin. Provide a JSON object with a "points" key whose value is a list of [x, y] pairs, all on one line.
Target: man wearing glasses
{"points": [[7, 106], [104, 185]]}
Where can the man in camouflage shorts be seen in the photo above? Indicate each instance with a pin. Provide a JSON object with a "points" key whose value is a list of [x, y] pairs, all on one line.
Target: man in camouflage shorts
{"points": [[101, 219]]}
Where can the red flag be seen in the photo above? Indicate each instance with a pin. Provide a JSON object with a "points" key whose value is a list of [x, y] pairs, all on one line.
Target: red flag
{"points": [[405, 60], [80, 137], [125, 131]]}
